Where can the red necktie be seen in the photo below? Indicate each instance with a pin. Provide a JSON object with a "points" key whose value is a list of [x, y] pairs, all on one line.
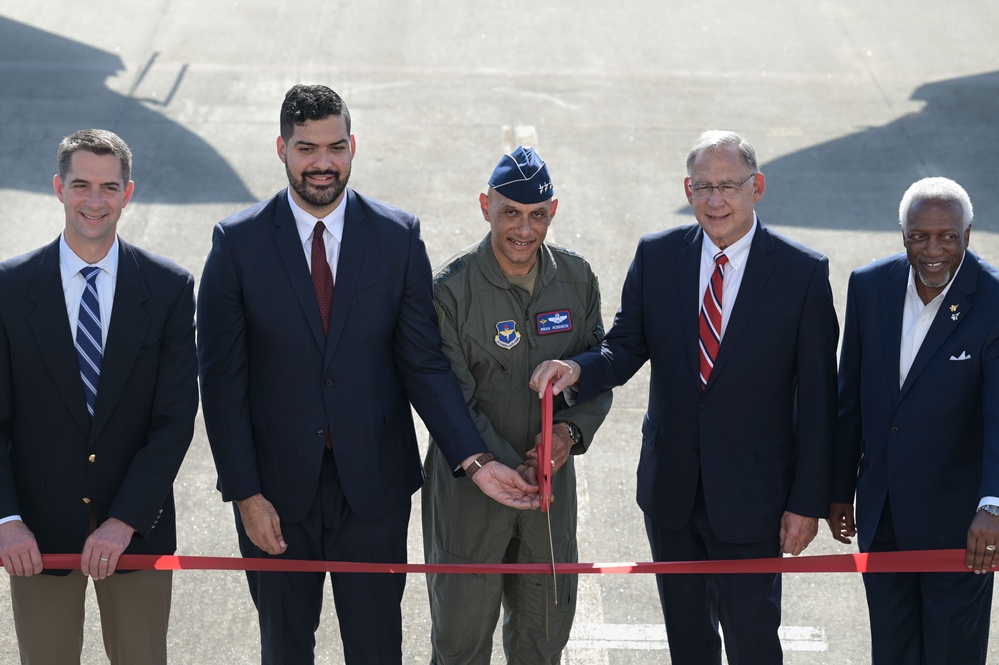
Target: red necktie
{"points": [[322, 277], [710, 324], [322, 282]]}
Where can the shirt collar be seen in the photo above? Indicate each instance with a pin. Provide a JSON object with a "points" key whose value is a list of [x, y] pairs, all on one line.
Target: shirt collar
{"points": [[306, 223], [70, 264], [737, 252]]}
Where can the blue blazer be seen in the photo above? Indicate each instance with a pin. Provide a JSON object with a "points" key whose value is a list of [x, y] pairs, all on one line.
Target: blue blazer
{"points": [[761, 434], [55, 464], [273, 385], [933, 444]]}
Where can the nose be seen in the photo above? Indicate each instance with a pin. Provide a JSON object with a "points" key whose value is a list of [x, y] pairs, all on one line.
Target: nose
{"points": [[933, 246], [523, 227], [94, 198], [715, 197]]}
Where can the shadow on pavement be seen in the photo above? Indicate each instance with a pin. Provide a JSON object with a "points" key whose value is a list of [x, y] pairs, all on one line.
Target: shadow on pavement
{"points": [[53, 86], [856, 182]]}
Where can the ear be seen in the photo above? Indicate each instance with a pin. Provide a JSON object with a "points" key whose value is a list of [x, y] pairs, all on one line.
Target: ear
{"points": [[759, 186], [484, 205], [551, 211], [57, 185], [129, 189], [686, 190], [353, 146], [282, 148]]}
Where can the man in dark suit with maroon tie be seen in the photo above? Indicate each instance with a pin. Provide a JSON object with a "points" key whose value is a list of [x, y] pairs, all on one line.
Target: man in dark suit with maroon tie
{"points": [[316, 331]]}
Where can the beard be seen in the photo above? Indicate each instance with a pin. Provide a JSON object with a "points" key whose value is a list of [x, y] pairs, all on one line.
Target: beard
{"points": [[938, 283], [318, 196]]}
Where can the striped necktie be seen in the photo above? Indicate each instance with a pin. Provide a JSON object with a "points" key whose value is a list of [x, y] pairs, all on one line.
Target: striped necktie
{"points": [[89, 337], [710, 324]]}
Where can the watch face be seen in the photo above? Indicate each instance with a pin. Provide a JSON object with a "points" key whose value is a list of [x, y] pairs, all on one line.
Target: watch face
{"points": [[991, 510]]}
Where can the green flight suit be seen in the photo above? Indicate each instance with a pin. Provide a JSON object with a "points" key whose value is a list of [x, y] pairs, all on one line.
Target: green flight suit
{"points": [[495, 334]]}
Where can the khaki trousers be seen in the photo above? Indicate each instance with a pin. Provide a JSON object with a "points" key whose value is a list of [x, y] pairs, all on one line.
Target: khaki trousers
{"points": [[134, 607]]}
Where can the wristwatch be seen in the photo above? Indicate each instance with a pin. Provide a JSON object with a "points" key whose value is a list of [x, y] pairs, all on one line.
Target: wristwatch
{"points": [[574, 431], [990, 509], [478, 463]]}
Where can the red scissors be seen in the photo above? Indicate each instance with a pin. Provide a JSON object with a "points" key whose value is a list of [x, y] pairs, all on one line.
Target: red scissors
{"points": [[545, 468]]}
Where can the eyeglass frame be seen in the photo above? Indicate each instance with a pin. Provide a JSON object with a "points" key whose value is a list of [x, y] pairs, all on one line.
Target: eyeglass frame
{"points": [[703, 190]]}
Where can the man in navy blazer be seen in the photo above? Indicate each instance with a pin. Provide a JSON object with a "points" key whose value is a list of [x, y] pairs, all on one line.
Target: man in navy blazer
{"points": [[919, 430], [737, 442], [92, 472], [307, 385]]}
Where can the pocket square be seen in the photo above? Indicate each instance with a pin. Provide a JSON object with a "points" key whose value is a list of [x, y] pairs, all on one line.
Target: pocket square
{"points": [[964, 356]]}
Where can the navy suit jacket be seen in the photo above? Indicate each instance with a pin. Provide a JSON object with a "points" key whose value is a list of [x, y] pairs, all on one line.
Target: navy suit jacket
{"points": [[55, 464], [932, 444], [273, 385], [761, 434]]}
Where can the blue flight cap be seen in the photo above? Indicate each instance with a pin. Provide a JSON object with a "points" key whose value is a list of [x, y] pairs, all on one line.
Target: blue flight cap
{"points": [[523, 177]]}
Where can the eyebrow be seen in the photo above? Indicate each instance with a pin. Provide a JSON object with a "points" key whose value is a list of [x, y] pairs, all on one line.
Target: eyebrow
{"points": [[299, 142], [84, 181]]}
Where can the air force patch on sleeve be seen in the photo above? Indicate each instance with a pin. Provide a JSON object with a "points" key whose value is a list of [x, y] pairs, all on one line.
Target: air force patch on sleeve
{"points": [[507, 336], [554, 322]]}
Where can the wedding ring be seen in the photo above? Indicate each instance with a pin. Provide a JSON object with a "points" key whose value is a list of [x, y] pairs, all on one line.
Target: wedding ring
{"points": [[104, 558], [990, 548], [553, 466]]}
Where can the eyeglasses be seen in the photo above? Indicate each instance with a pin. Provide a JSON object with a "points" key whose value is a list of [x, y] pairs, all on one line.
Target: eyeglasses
{"points": [[728, 190]]}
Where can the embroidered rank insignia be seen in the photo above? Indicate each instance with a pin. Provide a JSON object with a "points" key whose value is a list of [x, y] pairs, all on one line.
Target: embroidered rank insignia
{"points": [[554, 322], [507, 336]]}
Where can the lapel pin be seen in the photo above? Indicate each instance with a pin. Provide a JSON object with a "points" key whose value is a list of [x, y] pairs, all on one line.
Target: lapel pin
{"points": [[954, 313]]}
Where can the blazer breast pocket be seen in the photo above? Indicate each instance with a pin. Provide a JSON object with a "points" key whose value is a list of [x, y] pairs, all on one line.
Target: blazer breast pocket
{"points": [[377, 290]]}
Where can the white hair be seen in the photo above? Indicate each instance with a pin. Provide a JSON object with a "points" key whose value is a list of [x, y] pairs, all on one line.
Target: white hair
{"points": [[935, 189]]}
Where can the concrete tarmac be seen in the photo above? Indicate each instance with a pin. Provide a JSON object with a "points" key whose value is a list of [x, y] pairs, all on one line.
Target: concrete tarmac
{"points": [[847, 103]]}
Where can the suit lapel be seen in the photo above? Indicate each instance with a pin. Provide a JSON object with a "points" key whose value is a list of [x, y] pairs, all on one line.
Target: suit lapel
{"points": [[289, 245], [759, 265], [890, 304], [689, 271], [125, 335], [944, 323], [50, 325], [352, 244]]}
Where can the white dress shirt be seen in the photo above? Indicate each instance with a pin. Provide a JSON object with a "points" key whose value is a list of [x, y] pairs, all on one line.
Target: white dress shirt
{"points": [[332, 236], [738, 255]]}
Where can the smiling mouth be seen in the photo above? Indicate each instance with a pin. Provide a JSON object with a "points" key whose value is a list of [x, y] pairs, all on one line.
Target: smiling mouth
{"points": [[322, 178], [93, 218]]}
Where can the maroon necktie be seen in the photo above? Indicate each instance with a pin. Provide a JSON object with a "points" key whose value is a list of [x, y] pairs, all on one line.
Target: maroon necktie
{"points": [[710, 324], [322, 282], [322, 277]]}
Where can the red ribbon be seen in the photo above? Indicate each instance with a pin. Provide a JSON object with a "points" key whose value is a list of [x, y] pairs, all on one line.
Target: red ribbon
{"points": [[922, 561]]}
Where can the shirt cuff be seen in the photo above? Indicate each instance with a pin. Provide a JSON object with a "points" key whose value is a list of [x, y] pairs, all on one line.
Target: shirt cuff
{"points": [[12, 518], [988, 501]]}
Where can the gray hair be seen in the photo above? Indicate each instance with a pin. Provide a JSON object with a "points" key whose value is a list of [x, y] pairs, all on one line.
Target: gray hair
{"points": [[936, 189], [715, 139]]}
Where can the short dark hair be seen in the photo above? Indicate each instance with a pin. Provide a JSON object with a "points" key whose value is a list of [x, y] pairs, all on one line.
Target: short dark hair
{"points": [[310, 102], [99, 142]]}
